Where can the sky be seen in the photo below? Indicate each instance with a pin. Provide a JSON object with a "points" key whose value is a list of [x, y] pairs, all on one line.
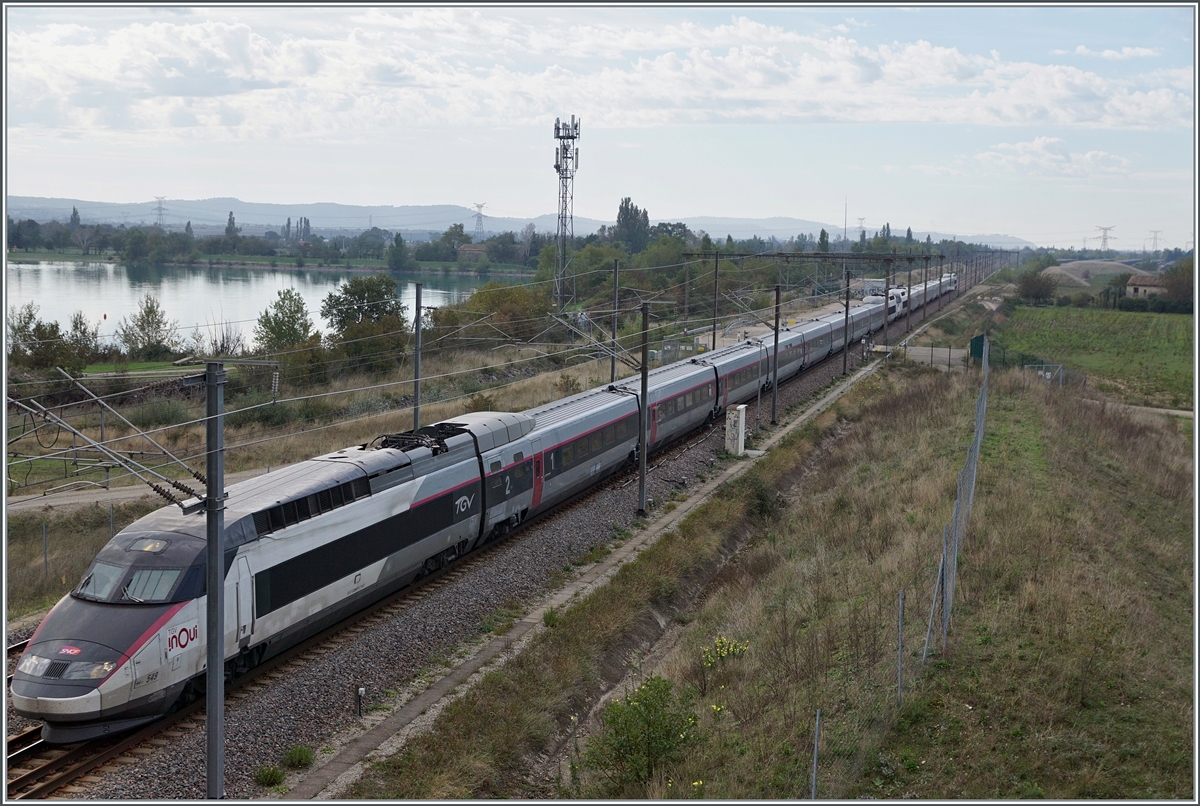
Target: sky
{"points": [[1039, 122]]}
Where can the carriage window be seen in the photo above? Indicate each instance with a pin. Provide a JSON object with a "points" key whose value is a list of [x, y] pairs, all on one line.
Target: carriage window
{"points": [[518, 456], [622, 429], [568, 453], [597, 442], [608, 435], [496, 465]]}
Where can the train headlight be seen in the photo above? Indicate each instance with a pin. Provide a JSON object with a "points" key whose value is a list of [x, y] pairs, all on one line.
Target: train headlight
{"points": [[89, 671], [33, 665]]}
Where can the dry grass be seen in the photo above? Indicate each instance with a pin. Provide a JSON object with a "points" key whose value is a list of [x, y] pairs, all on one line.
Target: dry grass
{"points": [[1069, 672]]}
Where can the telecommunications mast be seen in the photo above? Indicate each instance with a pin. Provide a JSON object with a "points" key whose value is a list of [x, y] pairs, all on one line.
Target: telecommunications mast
{"points": [[566, 161], [479, 222]]}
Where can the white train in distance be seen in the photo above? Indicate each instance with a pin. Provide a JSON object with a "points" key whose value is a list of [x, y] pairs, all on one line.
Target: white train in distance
{"points": [[307, 545]]}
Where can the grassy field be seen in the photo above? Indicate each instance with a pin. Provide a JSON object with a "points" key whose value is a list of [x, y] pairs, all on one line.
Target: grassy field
{"points": [[1069, 671], [1143, 358]]}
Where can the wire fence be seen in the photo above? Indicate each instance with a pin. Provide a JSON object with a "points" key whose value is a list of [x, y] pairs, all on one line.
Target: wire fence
{"points": [[955, 530]]}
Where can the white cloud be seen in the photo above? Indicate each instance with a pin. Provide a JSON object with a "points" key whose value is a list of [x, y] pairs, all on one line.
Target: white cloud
{"points": [[1123, 53], [1049, 156], [379, 69]]}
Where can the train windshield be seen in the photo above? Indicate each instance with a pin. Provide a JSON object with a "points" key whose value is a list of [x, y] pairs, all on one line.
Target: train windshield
{"points": [[100, 582], [106, 582]]}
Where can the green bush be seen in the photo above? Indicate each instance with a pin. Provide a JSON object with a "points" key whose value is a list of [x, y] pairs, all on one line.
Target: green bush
{"points": [[159, 413], [298, 756], [252, 411], [314, 408], [481, 402], [641, 733], [268, 776]]}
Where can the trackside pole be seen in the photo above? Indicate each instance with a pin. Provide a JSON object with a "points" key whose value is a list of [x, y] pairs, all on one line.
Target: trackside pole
{"points": [[775, 380], [644, 437], [616, 301], [816, 746], [417, 365], [214, 377]]}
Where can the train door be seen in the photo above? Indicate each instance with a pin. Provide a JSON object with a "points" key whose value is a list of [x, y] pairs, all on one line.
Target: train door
{"points": [[537, 473], [146, 665], [653, 423], [245, 602]]}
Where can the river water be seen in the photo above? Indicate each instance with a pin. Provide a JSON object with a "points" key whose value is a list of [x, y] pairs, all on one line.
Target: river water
{"points": [[196, 296]]}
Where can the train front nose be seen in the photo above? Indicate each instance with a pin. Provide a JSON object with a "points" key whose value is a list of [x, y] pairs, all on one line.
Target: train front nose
{"points": [[59, 680], [81, 687]]}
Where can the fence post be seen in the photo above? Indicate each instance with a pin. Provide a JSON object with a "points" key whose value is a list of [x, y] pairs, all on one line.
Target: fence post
{"points": [[816, 746], [45, 553], [937, 589], [900, 651], [946, 586], [111, 528]]}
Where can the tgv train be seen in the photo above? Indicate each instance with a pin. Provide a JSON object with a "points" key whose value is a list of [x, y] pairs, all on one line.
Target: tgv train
{"points": [[307, 545]]}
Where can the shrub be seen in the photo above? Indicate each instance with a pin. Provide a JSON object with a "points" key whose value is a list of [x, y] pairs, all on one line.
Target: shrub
{"points": [[268, 776], [567, 385], [480, 402], [158, 413], [642, 733], [1064, 301], [298, 756]]}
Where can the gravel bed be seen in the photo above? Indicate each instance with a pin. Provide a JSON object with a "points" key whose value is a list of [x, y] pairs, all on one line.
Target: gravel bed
{"points": [[312, 704]]}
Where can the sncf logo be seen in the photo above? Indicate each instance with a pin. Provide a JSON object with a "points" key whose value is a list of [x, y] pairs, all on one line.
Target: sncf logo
{"points": [[463, 504], [179, 637], [70, 650]]}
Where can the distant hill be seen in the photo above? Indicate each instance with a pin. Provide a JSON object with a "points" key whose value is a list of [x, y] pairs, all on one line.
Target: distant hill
{"points": [[414, 221]]}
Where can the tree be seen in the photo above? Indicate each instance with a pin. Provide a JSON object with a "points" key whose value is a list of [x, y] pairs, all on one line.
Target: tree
{"points": [[397, 254], [137, 246], [148, 334], [1116, 287], [83, 338], [1179, 280], [362, 299], [1036, 287], [19, 329], [83, 237], [187, 230], [633, 226], [502, 248], [287, 230], [74, 224], [908, 238], [284, 323], [231, 227], [823, 241]]}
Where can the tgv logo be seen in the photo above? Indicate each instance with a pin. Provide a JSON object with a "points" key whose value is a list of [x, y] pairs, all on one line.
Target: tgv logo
{"points": [[180, 637], [463, 504]]}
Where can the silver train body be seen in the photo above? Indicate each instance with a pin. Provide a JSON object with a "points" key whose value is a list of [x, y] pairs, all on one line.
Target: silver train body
{"points": [[307, 545]]}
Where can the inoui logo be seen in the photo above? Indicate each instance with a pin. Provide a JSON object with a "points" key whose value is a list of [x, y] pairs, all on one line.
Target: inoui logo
{"points": [[463, 504], [180, 637]]}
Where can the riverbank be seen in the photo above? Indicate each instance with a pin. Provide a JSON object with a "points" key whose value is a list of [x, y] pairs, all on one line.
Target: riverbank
{"points": [[473, 270]]}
